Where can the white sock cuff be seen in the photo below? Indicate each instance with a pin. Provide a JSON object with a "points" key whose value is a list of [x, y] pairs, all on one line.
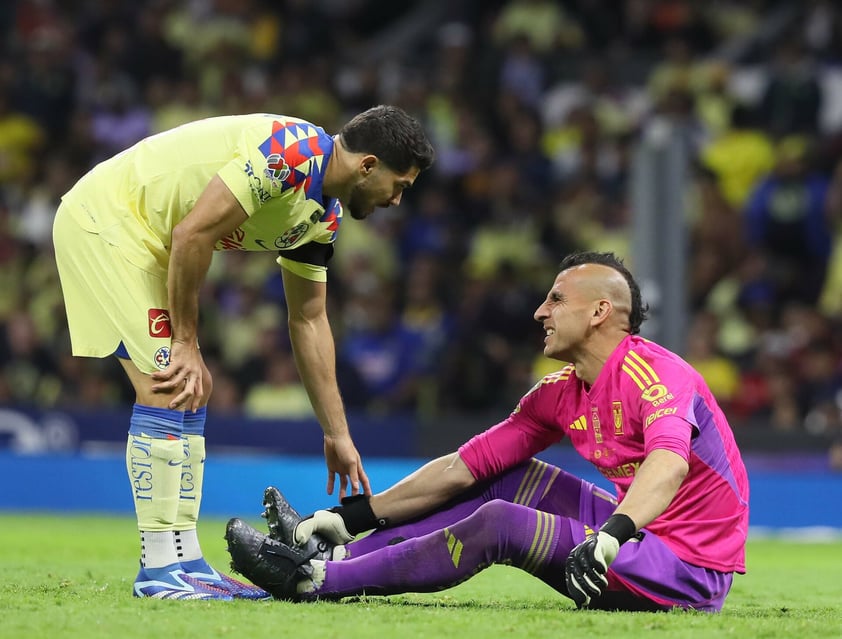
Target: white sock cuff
{"points": [[315, 581], [187, 545], [157, 549]]}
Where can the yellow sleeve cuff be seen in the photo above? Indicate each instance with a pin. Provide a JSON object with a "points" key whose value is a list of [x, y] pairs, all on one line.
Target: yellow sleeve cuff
{"points": [[307, 271]]}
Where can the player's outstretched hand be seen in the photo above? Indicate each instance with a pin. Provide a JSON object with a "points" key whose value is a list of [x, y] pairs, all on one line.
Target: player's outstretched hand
{"points": [[586, 565], [342, 459]]}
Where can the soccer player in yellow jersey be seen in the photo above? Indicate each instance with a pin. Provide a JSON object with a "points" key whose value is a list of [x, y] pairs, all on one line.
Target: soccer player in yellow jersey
{"points": [[134, 239]]}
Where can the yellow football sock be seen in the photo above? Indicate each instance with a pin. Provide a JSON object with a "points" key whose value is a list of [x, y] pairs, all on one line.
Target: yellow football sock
{"points": [[190, 497], [154, 467]]}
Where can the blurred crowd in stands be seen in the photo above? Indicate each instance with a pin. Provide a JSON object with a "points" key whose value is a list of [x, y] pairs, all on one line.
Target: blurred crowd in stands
{"points": [[534, 107]]}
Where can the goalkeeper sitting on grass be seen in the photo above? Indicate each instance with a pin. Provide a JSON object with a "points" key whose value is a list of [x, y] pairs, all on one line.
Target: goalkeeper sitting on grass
{"points": [[673, 537]]}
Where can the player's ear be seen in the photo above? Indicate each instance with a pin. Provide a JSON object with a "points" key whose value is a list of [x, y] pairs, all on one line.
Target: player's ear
{"points": [[602, 309], [368, 164]]}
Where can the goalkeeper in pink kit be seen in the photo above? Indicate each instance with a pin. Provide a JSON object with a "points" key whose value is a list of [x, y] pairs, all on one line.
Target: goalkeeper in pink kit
{"points": [[673, 535]]}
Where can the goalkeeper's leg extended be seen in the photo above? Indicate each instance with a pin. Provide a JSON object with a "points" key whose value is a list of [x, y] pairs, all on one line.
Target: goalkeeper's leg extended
{"points": [[646, 575]]}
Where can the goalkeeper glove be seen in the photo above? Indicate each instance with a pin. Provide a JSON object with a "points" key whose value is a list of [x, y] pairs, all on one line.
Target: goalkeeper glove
{"points": [[587, 563], [339, 524]]}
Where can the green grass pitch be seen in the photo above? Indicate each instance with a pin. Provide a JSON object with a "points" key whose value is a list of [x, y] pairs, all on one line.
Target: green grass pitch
{"points": [[69, 576]]}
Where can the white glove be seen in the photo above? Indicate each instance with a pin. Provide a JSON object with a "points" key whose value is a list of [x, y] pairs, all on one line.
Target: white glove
{"points": [[329, 525], [340, 524]]}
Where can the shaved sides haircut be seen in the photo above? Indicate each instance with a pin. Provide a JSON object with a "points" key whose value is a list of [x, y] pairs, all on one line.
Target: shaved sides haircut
{"points": [[638, 311]]}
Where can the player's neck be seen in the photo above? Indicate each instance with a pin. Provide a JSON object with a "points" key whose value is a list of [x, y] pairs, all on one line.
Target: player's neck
{"points": [[590, 362], [338, 180], [588, 369]]}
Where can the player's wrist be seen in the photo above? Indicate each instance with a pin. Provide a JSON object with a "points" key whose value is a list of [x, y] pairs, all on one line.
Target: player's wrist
{"points": [[357, 514], [619, 526], [336, 435]]}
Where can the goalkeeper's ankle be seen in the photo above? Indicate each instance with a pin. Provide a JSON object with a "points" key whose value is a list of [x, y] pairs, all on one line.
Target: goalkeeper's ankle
{"points": [[315, 580]]}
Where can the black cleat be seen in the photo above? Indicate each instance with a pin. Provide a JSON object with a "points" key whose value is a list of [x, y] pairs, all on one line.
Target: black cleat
{"points": [[268, 563], [283, 518]]}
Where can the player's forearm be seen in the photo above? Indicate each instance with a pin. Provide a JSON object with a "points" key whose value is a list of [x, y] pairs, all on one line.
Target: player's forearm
{"points": [[424, 490], [217, 213], [190, 260], [417, 494], [315, 357], [654, 487]]}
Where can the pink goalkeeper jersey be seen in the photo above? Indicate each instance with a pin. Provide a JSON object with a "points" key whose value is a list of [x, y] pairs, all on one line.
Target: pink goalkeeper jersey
{"points": [[645, 398]]}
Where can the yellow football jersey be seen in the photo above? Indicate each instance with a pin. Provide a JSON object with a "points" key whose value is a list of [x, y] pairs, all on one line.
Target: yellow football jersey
{"points": [[273, 164]]}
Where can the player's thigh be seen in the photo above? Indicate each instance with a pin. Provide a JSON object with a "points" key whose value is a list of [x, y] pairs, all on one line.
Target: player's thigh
{"points": [[143, 382], [565, 494], [647, 567]]}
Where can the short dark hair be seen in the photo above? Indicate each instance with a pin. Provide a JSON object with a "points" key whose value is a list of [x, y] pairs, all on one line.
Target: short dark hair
{"points": [[392, 135], [637, 314]]}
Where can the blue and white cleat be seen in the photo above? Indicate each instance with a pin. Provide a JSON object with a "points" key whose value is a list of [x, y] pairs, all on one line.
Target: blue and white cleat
{"points": [[171, 582], [200, 571]]}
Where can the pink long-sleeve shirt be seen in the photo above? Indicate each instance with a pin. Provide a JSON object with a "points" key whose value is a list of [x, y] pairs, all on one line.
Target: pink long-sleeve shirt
{"points": [[645, 398]]}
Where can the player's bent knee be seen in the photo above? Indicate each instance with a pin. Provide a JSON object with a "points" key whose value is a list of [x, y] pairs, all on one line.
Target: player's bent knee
{"points": [[207, 386], [494, 514], [142, 384]]}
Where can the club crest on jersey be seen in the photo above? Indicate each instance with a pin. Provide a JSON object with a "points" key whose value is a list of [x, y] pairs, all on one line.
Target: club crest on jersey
{"points": [[159, 322], [617, 412], [291, 236], [277, 170], [162, 357]]}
